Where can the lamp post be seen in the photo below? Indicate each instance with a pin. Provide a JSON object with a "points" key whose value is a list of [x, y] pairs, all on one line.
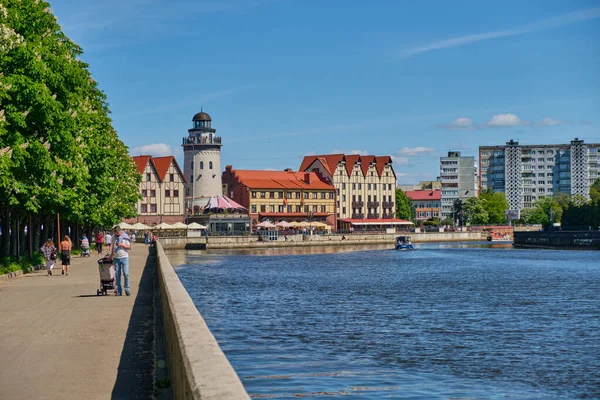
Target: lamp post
{"points": [[310, 215]]}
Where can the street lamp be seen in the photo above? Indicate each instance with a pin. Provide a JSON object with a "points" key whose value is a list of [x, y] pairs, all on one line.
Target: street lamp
{"points": [[310, 215]]}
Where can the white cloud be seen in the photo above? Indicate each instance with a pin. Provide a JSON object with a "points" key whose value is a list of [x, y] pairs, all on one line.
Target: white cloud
{"points": [[154, 149], [551, 122], [561, 20], [360, 152], [400, 174], [415, 151], [505, 120], [462, 123]]}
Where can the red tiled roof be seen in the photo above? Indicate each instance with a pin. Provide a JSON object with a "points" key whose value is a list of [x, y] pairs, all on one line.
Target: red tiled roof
{"points": [[162, 165], [256, 179], [423, 195], [141, 162], [331, 161], [293, 214]]}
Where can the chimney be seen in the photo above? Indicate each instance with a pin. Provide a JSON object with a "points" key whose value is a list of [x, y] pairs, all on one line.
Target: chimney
{"points": [[307, 177], [228, 168], [288, 170]]}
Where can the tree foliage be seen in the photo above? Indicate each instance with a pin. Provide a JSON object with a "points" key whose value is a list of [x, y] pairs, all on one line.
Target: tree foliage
{"points": [[404, 206], [58, 150], [595, 192], [475, 211], [495, 204]]}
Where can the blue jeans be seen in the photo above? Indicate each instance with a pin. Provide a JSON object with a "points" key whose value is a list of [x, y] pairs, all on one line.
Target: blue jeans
{"points": [[121, 264]]}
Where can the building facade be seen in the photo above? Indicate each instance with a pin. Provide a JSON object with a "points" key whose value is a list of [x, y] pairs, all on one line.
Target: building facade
{"points": [[202, 163], [161, 189], [365, 185], [458, 178], [526, 173], [281, 195], [427, 203]]}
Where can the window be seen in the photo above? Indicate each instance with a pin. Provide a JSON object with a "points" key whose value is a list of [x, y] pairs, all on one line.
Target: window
{"points": [[144, 193], [210, 165], [288, 195], [152, 193], [272, 195], [192, 165], [305, 209], [297, 195], [436, 214], [271, 208], [368, 186], [262, 195], [254, 208], [343, 197], [175, 193], [360, 186], [263, 208], [306, 195], [331, 195], [167, 193], [343, 186], [389, 186], [253, 195], [153, 208], [315, 209], [484, 153], [344, 210], [191, 178], [148, 177], [421, 214], [172, 177], [187, 191], [314, 195], [280, 208], [298, 209], [374, 186], [322, 195], [280, 195], [323, 209], [144, 208], [354, 186], [201, 164], [289, 209]]}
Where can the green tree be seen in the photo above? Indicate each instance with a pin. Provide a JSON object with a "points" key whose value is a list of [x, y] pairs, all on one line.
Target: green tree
{"points": [[458, 212], [58, 150], [404, 206], [595, 192], [475, 212], [495, 204]]}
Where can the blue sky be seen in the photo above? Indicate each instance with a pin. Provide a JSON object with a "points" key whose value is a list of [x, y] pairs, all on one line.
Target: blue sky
{"points": [[286, 78]]}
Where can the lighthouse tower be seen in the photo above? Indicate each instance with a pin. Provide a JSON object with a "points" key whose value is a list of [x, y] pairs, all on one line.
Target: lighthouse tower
{"points": [[202, 163]]}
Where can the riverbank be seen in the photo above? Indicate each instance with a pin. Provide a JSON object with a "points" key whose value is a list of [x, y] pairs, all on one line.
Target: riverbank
{"points": [[62, 341], [567, 240], [251, 242]]}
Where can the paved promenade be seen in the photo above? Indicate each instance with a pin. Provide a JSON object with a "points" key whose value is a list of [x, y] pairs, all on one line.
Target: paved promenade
{"points": [[58, 340]]}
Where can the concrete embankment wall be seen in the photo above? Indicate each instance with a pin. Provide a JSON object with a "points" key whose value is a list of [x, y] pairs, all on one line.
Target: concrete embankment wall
{"points": [[197, 366], [241, 242], [586, 240]]}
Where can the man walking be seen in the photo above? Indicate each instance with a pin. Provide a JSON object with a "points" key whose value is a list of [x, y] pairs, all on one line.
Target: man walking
{"points": [[108, 242], [121, 245], [99, 241]]}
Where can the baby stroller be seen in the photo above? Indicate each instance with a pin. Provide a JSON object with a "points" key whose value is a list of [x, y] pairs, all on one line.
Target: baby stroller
{"points": [[107, 275], [85, 252]]}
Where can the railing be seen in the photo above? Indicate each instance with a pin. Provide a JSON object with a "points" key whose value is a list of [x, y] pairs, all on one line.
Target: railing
{"points": [[373, 204], [358, 216], [387, 216], [358, 204], [387, 204], [373, 216], [201, 140]]}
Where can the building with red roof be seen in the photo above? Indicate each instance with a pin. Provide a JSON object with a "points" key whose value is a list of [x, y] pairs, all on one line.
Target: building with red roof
{"points": [[161, 188], [365, 185], [427, 203], [281, 195]]}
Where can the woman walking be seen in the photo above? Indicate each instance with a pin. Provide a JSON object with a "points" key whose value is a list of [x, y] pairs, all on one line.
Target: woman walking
{"points": [[49, 252], [65, 247]]}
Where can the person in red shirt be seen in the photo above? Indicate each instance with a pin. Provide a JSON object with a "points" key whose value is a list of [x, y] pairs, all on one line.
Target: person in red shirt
{"points": [[99, 242]]}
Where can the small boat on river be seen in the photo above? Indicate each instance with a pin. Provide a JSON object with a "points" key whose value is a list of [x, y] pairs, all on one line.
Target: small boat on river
{"points": [[498, 237], [403, 243]]}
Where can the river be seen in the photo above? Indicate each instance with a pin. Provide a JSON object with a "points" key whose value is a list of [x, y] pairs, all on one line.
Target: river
{"points": [[443, 321]]}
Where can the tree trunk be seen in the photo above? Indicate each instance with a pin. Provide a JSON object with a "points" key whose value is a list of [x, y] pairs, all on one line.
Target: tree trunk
{"points": [[5, 238], [36, 230], [22, 237], [13, 237]]}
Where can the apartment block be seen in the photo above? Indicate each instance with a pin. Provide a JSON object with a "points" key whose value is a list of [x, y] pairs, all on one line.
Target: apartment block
{"points": [[458, 178], [527, 173]]}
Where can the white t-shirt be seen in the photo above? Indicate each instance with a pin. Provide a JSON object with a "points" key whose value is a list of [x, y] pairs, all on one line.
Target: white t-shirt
{"points": [[120, 252], [107, 239]]}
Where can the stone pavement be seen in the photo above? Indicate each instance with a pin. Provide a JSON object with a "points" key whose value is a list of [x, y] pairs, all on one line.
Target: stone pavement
{"points": [[58, 340]]}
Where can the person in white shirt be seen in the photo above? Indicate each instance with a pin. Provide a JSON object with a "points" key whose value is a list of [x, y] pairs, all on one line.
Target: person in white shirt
{"points": [[120, 256], [108, 242]]}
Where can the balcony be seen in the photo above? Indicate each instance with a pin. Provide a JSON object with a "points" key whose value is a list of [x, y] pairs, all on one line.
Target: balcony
{"points": [[358, 204], [387, 216], [387, 204], [373, 216], [358, 216], [201, 140], [372, 204]]}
